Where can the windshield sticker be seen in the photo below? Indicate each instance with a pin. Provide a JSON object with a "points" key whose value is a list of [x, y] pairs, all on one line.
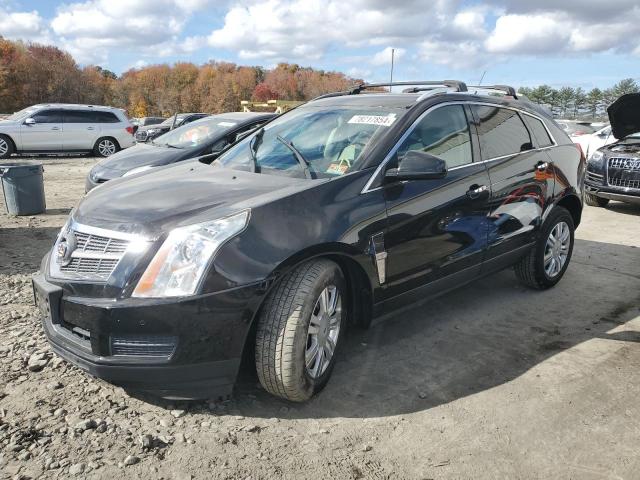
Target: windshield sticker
{"points": [[337, 168], [382, 120], [227, 124]]}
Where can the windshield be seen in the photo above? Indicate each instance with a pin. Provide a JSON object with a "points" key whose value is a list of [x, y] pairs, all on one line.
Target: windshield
{"points": [[24, 113], [320, 142], [195, 134]]}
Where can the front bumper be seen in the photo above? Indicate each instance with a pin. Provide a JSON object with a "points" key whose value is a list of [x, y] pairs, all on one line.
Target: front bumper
{"points": [[209, 333], [619, 194]]}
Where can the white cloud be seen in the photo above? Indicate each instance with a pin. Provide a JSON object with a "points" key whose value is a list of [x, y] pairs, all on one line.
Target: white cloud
{"points": [[527, 34], [23, 26], [383, 57]]}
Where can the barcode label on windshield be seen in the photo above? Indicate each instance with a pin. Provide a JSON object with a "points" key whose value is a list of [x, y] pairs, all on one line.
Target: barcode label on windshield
{"points": [[382, 120], [227, 124]]}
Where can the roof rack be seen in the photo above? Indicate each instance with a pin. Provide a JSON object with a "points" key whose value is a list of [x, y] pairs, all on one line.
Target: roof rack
{"points": [[455, 85], [506, 89]]}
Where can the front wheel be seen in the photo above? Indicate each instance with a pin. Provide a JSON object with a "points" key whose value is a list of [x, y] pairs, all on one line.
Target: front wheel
{"points": [[545, 265], [595, 201], [105, 147], [299, 331], [6, 147]]}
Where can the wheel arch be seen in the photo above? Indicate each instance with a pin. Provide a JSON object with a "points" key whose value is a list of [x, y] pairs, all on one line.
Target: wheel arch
{"points": [[13, 142], [574, 205]]}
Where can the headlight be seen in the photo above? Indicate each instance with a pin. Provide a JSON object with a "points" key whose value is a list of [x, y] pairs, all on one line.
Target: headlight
{"points": [[137, 170], [596, 156], [178, 267]]}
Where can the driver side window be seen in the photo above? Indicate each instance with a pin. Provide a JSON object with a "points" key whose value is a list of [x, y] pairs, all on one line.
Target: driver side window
{"points": [[444, 133]]}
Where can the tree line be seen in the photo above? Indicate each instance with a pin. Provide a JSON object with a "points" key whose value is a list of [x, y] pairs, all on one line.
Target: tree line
{"points": [[31, 73], [576, 103]]}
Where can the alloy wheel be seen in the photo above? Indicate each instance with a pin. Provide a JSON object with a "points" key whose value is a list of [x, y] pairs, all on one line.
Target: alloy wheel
{"points": [[556, 250], [106, 148], [4, 147], [323, 332]]}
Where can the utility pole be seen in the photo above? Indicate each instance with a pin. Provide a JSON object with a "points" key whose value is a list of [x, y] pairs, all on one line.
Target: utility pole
{"points": [[393, 52]]}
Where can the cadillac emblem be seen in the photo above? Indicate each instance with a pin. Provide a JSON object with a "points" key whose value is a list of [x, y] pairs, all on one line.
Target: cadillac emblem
{"points": [[65, 248]]}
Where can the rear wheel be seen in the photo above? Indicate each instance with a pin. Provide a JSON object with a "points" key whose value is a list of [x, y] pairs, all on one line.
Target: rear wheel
{"points": [[299, 331], [105, 147], [545, 265], [595, 201], [6, 146]]}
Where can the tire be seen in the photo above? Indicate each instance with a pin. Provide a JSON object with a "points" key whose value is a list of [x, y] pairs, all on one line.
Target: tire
{"points": [[105, 147], [285, 329], [6, 146], [532, 269], [595, 201]]}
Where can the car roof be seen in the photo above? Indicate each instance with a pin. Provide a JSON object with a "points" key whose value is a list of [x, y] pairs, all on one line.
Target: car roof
{"points": [[75, 106]]}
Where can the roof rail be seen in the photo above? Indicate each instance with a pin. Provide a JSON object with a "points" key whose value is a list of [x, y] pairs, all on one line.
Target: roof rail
{"points": [[419, 86], [506, 89]]}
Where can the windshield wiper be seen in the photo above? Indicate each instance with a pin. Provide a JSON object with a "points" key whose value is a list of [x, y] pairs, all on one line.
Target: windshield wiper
{"points": [[254, 144], [301, 160]]}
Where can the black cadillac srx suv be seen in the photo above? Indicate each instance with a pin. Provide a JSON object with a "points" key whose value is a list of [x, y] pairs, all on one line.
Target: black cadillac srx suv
{"points": [[613, 171], [340, 210]]}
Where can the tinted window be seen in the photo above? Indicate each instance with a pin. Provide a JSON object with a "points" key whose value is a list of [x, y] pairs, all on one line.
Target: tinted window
{"points": [[443, 133], [501, 132], [78, 116], [48, 116], [539, 132], [105, 117]]}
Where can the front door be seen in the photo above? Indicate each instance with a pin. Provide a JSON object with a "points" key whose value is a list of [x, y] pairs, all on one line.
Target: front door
{"points": [[521, 181], [437, 228], [44, 135]]}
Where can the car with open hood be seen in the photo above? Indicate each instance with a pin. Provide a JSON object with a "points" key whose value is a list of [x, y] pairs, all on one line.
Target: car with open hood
{"points": [[207, 135], [613, 171], [146, 133], [336, 212]]}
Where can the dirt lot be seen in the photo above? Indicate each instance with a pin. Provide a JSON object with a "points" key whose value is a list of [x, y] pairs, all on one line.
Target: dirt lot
{"points": [[492, 381]]}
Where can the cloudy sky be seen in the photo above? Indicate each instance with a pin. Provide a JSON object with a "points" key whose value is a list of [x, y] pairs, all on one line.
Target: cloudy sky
{"points": [[522, 42]]}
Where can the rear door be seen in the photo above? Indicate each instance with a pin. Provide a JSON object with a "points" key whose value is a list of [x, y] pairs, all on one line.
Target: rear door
{"points": [[81, 129], [46, 134], [521, 176], [437, 229]]}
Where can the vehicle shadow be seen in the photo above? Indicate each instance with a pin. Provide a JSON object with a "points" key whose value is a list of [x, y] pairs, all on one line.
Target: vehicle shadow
{"points": [[626, 208], [482, 336]]}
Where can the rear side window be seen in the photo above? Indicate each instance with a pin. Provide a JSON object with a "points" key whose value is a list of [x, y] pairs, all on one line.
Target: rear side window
{"points": [[78, 116], [501, 131], [105, 117], [48, 116], [443, 133], [539, 132]]}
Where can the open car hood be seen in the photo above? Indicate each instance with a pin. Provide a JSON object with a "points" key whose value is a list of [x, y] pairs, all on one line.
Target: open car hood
{"points": [[624, 115]]}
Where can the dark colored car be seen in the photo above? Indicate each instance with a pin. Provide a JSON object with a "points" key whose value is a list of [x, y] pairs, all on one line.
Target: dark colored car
{"points": [[207, 135], [613, 171], [341, 210], [149, 132]]}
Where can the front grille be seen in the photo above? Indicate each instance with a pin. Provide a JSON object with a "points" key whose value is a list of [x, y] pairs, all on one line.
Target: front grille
{"points": [[95, 243], [87, 253], [623, 182], [594, 177], [141, 136], [156, 346], [630, 164], [99, 268]]}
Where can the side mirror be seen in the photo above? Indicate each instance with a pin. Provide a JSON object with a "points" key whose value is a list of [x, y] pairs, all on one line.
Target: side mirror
{"points": [[29, 121], [418, 165], [219, 146]]}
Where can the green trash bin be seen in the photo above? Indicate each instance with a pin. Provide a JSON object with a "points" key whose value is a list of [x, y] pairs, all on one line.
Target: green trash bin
{"points": [[23, 188]]}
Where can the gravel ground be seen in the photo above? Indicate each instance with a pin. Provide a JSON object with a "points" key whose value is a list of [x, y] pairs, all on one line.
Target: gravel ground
{"points": [[491, 381]]}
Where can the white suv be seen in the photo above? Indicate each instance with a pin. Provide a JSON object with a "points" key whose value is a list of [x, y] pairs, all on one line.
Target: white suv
{"points": [[55, 127]]}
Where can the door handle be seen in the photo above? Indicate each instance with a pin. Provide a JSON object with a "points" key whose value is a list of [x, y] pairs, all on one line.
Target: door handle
{"points": [[476, 190], [542, 166], [90, 128], [55, 128]]}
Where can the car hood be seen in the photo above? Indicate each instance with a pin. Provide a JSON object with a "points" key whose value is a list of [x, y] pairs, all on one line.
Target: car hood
{"points": [[190, 192], [140, 155], [7, 123], [624, 115], [157, 125]]}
